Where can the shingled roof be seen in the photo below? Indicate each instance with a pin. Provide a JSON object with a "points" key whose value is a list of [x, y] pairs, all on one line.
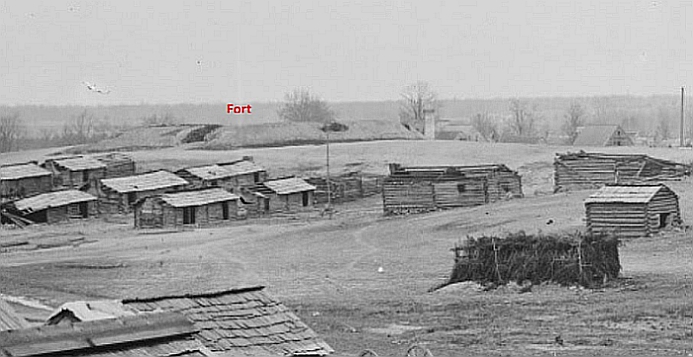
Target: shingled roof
{"points": [[19, 171], [52, 199], [288, 185], [9, 320], [198, 197], [144, 182], [79, 163], [157, 334], [246, 321]]}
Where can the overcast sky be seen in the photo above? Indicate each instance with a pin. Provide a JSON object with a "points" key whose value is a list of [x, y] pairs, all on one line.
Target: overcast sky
{"points": [[251, 51]]}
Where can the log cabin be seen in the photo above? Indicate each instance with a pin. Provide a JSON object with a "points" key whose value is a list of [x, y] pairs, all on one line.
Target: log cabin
{"points": [[57, 206], [290, 194], [120, 194], [75, 172], [23, 180], [186, 208]]}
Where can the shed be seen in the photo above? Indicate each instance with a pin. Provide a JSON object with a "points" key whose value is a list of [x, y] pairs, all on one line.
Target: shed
{"points": [[197, 207], [245, 172], [632, 210], [9, 319], [120, 194], [602, 135], [416, 189], [117, 164], [75, 171], [154, 334], [284, 195], [583, 170], [22, 180], [57, 206]]}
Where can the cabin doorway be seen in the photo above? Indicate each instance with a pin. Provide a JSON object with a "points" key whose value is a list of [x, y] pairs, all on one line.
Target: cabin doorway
{"points": [[84, 209], [85, 176], [256, 177], [225, 210], [664, 220], [188, 215], [305, 198]]}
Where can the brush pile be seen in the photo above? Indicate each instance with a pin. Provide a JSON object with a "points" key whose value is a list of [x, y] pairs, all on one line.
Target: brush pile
{"points": [[578, 258]]}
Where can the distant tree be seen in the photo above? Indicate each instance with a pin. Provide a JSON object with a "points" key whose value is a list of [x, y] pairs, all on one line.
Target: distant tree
{"points": [[574, 118], [79, 129], [523, 119], [11, 130], [301, 106], [663, 131], [486, 126], [415, 98], [167, 119]]}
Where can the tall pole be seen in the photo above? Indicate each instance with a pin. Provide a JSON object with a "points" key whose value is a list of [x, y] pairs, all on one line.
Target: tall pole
{"points": [[682, 121], [329, 189]]}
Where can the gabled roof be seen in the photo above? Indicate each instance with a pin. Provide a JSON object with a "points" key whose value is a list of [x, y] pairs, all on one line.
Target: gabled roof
{"points": [[242, 167], [90, 310], [19, 171], [144, 182], [156, 334], [79, 163], [209, 172], [625, 194], [9, 320], [198, 197], [52, 199], [244, 321], [288, 185], [595, 135]]}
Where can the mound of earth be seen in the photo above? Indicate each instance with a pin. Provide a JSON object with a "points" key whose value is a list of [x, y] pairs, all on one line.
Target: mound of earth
{"points": [[154, 137], [285, 134]]}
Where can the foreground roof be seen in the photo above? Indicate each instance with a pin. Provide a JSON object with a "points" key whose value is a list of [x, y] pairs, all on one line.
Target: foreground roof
{"points": [[18, 171], [52, 199], [144, 182], [79, 163], [157, 334], [198, 197], [245, 321], [9, 319], [625, 194], [288, 185]]}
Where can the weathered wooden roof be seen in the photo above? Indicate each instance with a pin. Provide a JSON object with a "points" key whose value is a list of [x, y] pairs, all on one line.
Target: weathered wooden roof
{"points": [[9, 319], [288, 185], [242, 167], [209, 172], [79, 163], [19, 171], [52, 199], [198, 197], [625, 194], [90, 310], [245, 321], [582, 155], [144, 182], [595, 135], [156, 334]]}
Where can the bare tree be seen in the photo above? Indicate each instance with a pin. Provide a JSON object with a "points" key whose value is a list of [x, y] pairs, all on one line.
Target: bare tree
{"points": [[486, 126], [574, 118], [415, 98], [523, 119], [79, 129], [302, 106], [167, 119], [11, 130], [663, 131]]}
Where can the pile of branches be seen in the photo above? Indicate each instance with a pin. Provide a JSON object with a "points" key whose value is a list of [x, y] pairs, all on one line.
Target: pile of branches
{"points": [[574, 259]]}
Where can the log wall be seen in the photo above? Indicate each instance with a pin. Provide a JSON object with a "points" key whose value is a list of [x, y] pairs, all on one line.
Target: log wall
{"points": [[25, 187]]}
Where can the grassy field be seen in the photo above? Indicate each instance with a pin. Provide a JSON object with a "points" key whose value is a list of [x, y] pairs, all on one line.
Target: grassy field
{"points": [[328, 270]]}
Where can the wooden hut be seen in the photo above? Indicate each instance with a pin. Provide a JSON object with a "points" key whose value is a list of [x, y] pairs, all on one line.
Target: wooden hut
{"points": [[75, 172], [22, 180], [418, 189], [245, 172], [283, 195], [54, 207], [117, 164], [632, 210], [602, 135], [197, 207], [582, 170], [120, 194]]}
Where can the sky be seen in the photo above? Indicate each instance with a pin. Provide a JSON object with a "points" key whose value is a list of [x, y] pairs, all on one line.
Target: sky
{"points": [[255, 51]]}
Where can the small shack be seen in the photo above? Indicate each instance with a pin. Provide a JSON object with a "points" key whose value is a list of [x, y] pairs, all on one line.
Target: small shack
{"points": [[245, 172], [416, 189], [54, 207], [120, 194], [76, 171], [602, 135], [22, 180], [632, 210], [197, 207], [583, 170], [117, 164], [283, 195]]}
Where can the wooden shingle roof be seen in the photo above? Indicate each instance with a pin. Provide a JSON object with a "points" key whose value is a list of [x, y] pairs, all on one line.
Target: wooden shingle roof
{"points": [[245, 321], [198, 197], [9, 319], [19, 171], [625, 194], [144, 182], [52, 199]]}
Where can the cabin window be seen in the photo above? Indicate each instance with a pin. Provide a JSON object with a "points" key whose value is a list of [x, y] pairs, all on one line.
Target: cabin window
{"points": [[461, 188], [188, 215], [85, 176], [664, 220]]}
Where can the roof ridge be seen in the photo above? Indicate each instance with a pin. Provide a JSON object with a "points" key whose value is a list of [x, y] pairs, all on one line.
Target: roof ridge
{"points": [[194, 295]]}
